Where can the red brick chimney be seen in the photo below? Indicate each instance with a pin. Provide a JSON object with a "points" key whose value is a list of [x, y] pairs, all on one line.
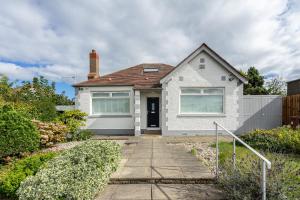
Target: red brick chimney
{"points": [[94, 65]]}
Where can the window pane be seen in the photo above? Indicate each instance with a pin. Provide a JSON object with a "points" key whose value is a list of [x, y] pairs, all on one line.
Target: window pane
{"points": [[201, 104], [101, 94], [191, 90], [110, 106], [120, 94], [213, 91]]}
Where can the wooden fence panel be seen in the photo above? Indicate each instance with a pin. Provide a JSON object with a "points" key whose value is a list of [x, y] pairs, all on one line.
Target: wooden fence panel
{"points": [[290, 107]]}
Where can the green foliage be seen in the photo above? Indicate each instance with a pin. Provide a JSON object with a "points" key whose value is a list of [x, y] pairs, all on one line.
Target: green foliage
{"points": [[282, 139], [283, 178], [17, 133], [6, 91], [82, 135], [27, 110], [73, 119], [62, 99], [11, 176], [276, 86], [255, 84], [51, 133], [39, 94], [78, 173], [194, 151]]}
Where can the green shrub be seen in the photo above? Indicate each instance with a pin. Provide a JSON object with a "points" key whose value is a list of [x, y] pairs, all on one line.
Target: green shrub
{"points": [[14, 174], [73, 119], [194, 151], [283, 139], [46, 109], [26, 109], [283, 181], [78, 173], [51, 133], [81, 135], [17, 133]]}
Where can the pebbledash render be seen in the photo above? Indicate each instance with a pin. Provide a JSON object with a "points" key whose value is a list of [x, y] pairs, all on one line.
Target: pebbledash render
{"points": [[155, 97]]}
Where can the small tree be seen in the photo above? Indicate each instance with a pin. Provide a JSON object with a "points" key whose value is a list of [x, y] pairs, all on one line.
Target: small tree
{"points": [[276, 86], [255, 84]]}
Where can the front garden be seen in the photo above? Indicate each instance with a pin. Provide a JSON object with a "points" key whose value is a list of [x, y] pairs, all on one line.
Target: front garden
{"points": [[31, 165], [281, 146]]}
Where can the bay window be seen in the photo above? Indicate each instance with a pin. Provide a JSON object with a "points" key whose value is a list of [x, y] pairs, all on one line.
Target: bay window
{"points": [[202, 100], [110, 103]]}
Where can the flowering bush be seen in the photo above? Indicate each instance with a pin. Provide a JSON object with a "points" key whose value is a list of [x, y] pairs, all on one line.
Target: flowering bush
{"points": [[78, 173], [51, 133]]}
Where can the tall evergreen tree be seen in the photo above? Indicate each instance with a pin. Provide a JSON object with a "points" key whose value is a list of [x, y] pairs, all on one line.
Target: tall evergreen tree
{"points": [[255, 84]]}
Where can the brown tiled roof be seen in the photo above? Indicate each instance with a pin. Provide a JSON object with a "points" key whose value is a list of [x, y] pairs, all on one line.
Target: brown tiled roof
{"points": [[133, 76]]}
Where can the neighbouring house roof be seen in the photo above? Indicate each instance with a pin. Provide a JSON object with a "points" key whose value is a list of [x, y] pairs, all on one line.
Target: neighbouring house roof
{"points": [[65, 107], [296, 80], [132, 76], [215, 56]]}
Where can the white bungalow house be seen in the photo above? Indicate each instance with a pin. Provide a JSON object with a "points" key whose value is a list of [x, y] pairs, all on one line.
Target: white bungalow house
{"points": [[181, 100]]}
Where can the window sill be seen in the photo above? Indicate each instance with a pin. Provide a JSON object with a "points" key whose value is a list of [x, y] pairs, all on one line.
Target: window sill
{"points": [[109, 116], [201, 115]]}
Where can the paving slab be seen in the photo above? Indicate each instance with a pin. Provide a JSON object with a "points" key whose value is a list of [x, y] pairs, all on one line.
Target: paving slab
{"points": [[138, 162], [188, 192], [133, 173], [142, 160], [126, 192], [150, 161], [161, 192], [167, 172]]}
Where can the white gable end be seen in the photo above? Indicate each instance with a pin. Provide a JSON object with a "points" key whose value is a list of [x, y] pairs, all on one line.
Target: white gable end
{"points": [[203, 49], [193, 73], [209, 73]]}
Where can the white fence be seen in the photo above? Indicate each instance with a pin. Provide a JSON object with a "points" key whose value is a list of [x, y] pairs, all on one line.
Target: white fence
{"points": [[260, 111]]}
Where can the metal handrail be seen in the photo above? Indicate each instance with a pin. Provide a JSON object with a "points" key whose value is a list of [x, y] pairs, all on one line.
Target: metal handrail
{"points": [[265, 160]]}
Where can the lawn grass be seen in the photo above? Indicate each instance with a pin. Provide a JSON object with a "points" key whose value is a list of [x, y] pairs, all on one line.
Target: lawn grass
{"points": [[283, 180]]}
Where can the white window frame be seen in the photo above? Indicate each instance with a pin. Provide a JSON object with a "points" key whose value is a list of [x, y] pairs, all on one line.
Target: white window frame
{"points": [[201, 94], [109, 97]]}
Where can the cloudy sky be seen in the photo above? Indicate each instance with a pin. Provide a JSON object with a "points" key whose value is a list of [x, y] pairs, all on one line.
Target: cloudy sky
{"points": [[53, 38]]}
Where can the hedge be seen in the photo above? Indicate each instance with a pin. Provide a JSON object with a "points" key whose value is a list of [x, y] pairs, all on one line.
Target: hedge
{"points": [[17, 133], [12, 175], [78, 173]]}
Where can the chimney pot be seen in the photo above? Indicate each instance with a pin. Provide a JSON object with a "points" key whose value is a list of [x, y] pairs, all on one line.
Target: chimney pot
{"points": [[94, 65]]}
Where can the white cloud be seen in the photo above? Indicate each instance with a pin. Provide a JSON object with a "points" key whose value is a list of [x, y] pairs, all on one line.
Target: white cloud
{"points": [[59, 34]]}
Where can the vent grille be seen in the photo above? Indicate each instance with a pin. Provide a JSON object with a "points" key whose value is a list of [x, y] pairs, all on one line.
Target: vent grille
{"points": [[201, 66]]}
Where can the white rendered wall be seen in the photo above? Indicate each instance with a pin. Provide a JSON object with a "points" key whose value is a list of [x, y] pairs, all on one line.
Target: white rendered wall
{"points": [[177, 124], [83, 103]]}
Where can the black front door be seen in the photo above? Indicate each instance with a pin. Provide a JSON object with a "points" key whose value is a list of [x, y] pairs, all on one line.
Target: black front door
{"points": [[153, 112]]}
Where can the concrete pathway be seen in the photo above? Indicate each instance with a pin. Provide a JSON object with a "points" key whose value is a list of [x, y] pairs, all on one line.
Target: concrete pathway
{"points": [[153, 169]]}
